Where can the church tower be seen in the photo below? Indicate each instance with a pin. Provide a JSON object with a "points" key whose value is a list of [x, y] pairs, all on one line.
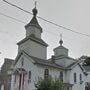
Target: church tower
{"points": [[61, 55], [60, 50], [33, 43], [33, 27]]}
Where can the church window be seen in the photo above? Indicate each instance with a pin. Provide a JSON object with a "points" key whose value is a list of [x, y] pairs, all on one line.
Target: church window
{"points": [[23, 79], [20, 78], [29, 77], [75, 77], [22, 62], [80, 77], [15, 78], [46, 72], [61, 76]]}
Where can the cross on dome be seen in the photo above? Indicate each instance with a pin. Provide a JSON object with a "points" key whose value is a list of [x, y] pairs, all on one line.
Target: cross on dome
{"points": [[35, 3], [35, 10], [61, 41]]}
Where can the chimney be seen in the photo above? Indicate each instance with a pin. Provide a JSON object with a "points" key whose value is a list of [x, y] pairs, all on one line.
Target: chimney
{"points": [[53, 59]]}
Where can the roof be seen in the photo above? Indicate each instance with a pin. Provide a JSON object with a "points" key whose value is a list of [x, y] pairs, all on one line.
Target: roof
{"points": [[75, 64], [46, 62], [63, 56], [49, 63], [33, 38], [60, 47], [34, 22], [87, 68], [71, 66], [39, 61]]}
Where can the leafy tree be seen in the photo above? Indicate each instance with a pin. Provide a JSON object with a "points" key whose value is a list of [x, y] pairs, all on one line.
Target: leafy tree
{"points": [[87, 61], [50, 83], [83, 57]]}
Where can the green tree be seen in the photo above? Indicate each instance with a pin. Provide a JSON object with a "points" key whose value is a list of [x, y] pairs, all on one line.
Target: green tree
{"points": [[87, 61], [50, 83]]}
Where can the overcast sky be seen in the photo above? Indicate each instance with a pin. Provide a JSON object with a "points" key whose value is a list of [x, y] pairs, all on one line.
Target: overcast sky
{"points": [[73, 14]]}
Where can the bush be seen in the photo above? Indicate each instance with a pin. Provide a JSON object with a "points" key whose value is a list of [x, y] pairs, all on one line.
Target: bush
{"points": [[50, 83]]}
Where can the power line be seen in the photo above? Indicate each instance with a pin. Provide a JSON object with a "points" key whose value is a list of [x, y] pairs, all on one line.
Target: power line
{"points": [[12, 18], [48, 20], [20, 21], [50, 32], [17, 7]]}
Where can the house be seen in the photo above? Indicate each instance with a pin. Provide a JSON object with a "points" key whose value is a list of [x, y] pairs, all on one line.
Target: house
{"points": [[5, 78], [31, 61], [87, 79]]}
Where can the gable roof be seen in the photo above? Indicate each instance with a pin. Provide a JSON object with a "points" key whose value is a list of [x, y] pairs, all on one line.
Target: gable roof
{"points": [[33, 38], [71, 66], [65, 57], [49, 63], [38, 61]]}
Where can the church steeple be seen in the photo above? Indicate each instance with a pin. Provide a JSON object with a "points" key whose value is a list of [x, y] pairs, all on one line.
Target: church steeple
{"points": [[33, 26], [61, 50], [33, 44]]}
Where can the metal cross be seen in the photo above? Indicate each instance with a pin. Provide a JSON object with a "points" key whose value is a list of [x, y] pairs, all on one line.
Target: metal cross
{"points": [[60, 36], [35, 3]]}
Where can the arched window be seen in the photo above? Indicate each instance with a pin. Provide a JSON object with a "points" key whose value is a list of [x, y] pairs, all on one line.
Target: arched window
{"points": [[61, 76], [75, 78], [15, 78], [81, 81], [46, 72], [80, 77], [22, 62], [29, 76]]}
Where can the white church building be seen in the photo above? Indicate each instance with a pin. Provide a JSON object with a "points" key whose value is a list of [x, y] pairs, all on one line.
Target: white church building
{"points": [[31, 61]]}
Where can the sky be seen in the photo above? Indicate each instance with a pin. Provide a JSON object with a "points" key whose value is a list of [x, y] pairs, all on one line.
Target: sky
{"points": [[73, 14]]}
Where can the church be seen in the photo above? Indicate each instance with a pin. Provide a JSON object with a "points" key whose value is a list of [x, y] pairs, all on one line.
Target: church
{"points": [[31, 61]]}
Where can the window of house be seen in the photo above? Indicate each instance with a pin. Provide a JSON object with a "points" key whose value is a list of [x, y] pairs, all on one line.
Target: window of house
{"points": [[46, 72], [61, 76], [75, 78]]}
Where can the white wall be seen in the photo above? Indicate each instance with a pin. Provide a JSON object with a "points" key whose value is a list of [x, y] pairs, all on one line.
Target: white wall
{"points": [[34, 49], [87, 79], [37, 71], [33, 30], [60, 51], [77, 85], [28, 66]]}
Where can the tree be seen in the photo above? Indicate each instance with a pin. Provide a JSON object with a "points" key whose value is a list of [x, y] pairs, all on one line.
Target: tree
{"points": [[50, 83], [87, 61]]}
